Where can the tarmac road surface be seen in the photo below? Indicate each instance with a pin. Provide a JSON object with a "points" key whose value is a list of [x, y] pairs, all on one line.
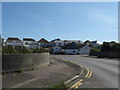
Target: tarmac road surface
{"points": [[105, 71]]}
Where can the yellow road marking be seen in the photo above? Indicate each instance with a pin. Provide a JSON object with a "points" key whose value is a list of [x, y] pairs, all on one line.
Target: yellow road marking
{"points": [[87, 73], [76, 83], [90, 74]]}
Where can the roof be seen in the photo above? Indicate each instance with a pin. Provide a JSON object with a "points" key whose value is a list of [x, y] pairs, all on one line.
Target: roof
{"points": [[28, 39], [73, 46], [87, 41], [94, 42], [55, 40], [12, 38], [43, 41]]}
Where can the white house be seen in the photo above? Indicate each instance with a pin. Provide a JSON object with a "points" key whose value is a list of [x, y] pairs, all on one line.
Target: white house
{"points": [[75, 41], [85, 50], [56, 50], [58, 42], [29, 42], [14, 41]]}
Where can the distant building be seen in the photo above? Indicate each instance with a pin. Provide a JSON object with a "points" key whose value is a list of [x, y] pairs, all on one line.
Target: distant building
{"points": [[58, 42], [44, 43], [75, 41], [1, 40], [85, 50], [29, 42], [94, 43], [87, 42], [14, 41], [112, 42], [56, 50]]}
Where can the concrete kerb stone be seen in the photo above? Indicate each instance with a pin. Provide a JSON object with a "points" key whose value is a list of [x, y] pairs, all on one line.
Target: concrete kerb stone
{"points": [[75, 77]]}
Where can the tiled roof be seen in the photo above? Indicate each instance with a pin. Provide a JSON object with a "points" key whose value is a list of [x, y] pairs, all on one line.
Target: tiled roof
{"points": [[43, 41], [28, 39], [55, 40], [12, 38]]}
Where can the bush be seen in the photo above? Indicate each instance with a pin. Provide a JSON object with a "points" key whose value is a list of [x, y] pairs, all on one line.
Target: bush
{"points": [[96, 49], [106, 47], [20, 50]]}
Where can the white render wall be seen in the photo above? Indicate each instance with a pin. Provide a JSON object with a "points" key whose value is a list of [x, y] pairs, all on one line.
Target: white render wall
{"points": [[56, 49], [59, 43], [29, 43], [14, 43], [85, 49]]}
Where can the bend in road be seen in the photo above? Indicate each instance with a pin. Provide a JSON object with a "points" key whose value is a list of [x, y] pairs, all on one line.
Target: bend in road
{"points": [[105, 72]]}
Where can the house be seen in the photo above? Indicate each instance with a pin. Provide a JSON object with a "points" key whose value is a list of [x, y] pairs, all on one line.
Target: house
{"points": [[75, 41], [113, 42], [94, 43], [58, 42], [44, 43], [71, 48], [85, 50], [29, 42], [56, 50], [14, 41]]}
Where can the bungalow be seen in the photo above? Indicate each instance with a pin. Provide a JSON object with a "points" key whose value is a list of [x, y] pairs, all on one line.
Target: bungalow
{"points": [[29, 42], [14, 41]]}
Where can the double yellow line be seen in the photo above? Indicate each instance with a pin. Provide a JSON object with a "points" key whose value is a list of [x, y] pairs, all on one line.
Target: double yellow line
{"points": [[89, 73], [77, 84]]}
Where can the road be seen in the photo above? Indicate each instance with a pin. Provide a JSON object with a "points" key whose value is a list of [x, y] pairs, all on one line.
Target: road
{"points": [[105, 71]]}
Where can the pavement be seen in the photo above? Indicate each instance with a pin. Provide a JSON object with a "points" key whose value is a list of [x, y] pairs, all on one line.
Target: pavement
{"points": [[104, 72], [44, 77]]}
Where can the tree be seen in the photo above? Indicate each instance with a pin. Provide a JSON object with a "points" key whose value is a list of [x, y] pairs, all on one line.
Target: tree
{"points": [[105, 47]]}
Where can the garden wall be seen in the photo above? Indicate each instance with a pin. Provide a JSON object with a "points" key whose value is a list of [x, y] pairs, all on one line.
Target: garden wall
{"points": [[24, 61]]}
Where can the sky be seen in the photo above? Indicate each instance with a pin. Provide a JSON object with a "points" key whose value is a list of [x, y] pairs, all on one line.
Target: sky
{"points": [[64, 20]]}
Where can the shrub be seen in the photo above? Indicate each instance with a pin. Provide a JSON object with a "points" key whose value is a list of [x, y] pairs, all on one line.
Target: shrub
{"points": [[115, 47], [20, 50]]}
